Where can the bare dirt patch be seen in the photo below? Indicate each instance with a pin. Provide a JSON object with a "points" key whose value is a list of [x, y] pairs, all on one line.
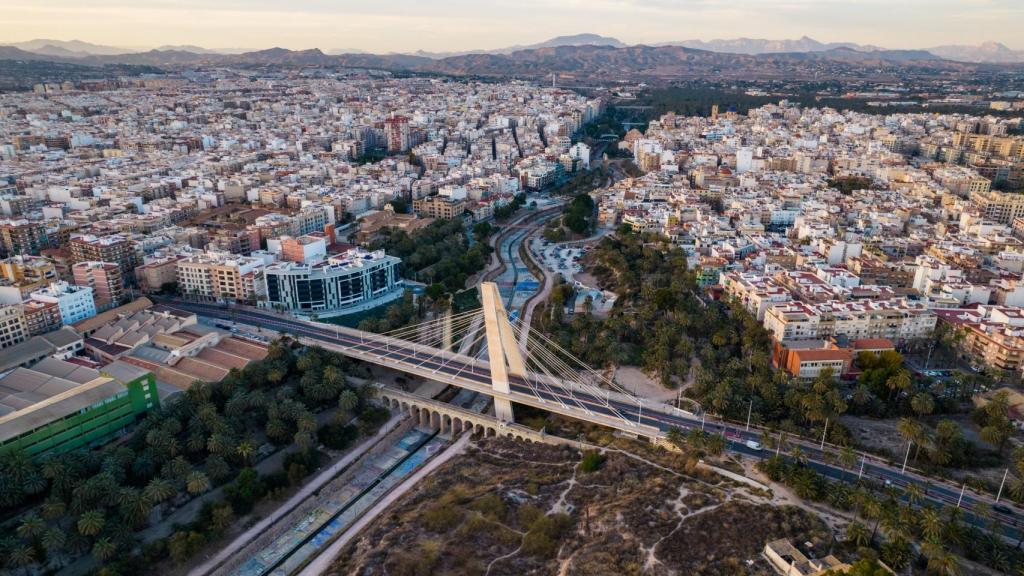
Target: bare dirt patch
{"points": [[513, 508]]}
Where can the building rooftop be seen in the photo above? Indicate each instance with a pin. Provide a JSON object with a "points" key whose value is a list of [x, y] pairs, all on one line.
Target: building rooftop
{"points": [[52, 389]]}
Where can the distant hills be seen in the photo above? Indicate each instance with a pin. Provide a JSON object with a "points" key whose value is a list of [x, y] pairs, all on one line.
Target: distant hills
{"points": [[583, 57], [988, 52], [762, 46], [70, 48]]}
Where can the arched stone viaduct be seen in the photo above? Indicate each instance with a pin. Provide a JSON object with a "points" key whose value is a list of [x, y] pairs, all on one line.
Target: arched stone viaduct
{"points": [[450, 419]]}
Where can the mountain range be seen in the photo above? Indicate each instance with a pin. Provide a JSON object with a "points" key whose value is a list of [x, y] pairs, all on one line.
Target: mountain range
{"points": [[573, 62], [988, 52]]}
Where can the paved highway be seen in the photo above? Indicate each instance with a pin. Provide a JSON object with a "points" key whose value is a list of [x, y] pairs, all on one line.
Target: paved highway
{"points": [[604, 408]]}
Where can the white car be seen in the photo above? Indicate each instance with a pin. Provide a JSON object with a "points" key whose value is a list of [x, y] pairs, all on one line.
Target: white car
{"points": [[753, 445]]}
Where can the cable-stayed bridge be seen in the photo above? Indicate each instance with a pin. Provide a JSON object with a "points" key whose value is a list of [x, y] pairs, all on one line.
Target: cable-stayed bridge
{"points": [[482, 351]]}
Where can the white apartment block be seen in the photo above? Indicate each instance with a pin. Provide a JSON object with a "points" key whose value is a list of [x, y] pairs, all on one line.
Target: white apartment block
{"points": [[75, 302]]}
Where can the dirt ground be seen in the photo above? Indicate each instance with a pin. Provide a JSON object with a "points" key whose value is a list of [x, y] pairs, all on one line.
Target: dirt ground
{"points": [[633, 379], [876, 434], [514, 508]]}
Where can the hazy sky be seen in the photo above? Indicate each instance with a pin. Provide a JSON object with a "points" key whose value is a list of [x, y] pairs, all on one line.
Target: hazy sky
{"points": [[406, 25]]}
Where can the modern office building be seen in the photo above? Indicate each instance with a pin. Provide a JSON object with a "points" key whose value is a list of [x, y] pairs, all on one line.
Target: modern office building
{"points": [[350, 282], [57, 406], [76, 302]]}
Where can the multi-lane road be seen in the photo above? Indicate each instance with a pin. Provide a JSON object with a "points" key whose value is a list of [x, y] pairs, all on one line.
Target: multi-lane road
{"points": [[649, 417]]}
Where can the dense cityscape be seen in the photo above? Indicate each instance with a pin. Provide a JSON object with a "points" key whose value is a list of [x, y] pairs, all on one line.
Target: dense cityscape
{"points": [[577, 307]]}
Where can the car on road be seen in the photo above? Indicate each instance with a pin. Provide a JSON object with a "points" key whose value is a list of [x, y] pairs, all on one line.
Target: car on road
{"points": [[753, 444], [1002, 509]]}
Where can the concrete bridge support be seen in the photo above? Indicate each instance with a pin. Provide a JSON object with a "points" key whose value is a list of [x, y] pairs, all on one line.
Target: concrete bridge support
{"points": [[503, 352]]}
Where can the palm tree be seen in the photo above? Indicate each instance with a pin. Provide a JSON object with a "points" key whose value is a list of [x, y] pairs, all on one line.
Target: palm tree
{"points": [[953, 530], [134, 507], [104, 549], [899, 381], [159, 490], [912, 431], [31, 527], [872, 509], [222, 517], [219, 443], [22, 557], [715, 444], [347, 401], [675, 437], [799, 455], [53, 541], [91, 522], [857, 534], [53, 468], [861, 395], [914, 494], [848, 458], [930, 523], [922, 404], [197, 483], [245, 450], [940, 560]]}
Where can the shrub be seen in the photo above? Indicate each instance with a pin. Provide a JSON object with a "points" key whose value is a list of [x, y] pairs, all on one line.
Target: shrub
{"points": [[442, 518], [545, 534], [245, 491], [490, 506], [591, 461], [337, 436], [371, 419]]}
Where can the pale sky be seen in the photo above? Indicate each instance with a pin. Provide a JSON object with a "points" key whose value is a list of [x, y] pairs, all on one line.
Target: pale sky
{"points": [[444, 25]]}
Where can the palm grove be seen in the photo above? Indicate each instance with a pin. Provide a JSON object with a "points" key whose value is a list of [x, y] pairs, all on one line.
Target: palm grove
{"points": [[98, 502], [722, 355]]}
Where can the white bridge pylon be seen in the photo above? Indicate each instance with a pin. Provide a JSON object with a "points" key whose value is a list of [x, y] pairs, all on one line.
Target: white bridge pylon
{"points": [[503, 352]]}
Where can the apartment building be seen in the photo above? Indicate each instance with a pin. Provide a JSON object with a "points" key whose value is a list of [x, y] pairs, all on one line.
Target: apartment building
{"points": [[896, 320], [1001, 207], [105, 280], [21, 237], [157, 272], [754, 291], [116, 249], [219, 276], [75, 302], [21, 275], [439, 207], [41, 317], [993, 336], [13, 329]]}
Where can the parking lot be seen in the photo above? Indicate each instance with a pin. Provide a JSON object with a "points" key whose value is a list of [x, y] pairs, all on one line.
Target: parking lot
{"points": [[564, 261]]}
